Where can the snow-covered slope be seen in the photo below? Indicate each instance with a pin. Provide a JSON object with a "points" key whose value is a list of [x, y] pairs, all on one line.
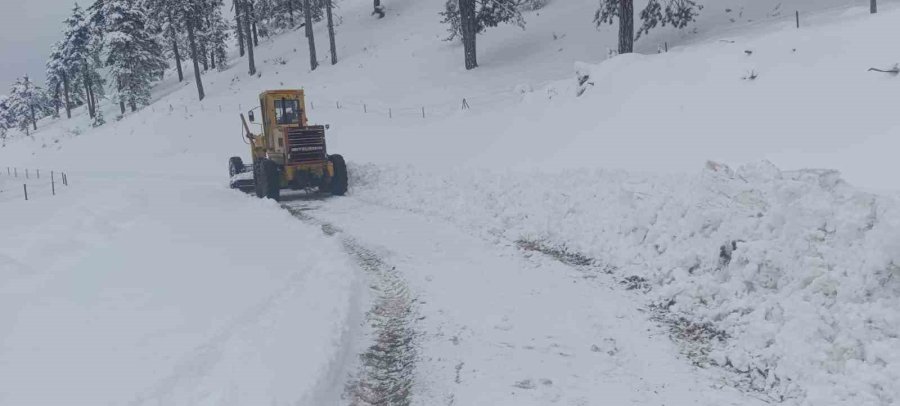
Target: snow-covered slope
{"points": [[206, 296]]}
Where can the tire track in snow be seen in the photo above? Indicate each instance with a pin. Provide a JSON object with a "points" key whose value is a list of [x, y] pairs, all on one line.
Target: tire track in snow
{"points": [[386, 371]]}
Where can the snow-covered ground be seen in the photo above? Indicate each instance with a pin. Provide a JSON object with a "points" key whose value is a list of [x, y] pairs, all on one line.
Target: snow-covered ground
{"points": [[509, 228], [151, 291]]}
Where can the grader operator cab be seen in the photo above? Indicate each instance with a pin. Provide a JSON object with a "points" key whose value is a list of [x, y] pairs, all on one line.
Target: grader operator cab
{"points": [[289, 153]]}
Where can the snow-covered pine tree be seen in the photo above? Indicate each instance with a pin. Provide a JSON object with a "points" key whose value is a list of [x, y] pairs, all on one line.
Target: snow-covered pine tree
{"points": [[26, 104], [5, 122], [468, 18], [238, 24], [57, 80], [164, 13], [678, 13], [217, 35], [245, 26], [189, 14], [132, 54], [80, 53]]}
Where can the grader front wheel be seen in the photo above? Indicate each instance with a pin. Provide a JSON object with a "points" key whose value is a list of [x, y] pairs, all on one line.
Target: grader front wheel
{"points": [[271, 180], [339, 179]]}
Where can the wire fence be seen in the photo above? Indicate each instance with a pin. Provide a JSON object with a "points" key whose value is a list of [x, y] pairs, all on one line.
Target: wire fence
{"points": [[28, 184], [376, 108]]}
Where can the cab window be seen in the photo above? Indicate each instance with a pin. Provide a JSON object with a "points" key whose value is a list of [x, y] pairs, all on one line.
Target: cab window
{"points": [[287, 111]]}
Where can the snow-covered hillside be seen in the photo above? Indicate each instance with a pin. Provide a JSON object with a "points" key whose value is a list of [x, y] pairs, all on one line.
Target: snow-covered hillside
{"points": [[504, 230]]}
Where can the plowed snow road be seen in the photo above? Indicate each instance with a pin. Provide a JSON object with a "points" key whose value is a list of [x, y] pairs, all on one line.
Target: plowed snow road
{"points": [[496, 325]]}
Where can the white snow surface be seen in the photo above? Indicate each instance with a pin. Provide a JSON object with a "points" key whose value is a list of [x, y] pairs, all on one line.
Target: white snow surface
{"points": [[147, 281], [143, 290], [808, 297]]}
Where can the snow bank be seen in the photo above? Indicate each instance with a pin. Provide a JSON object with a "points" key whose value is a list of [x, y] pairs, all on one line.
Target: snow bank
{"points": [[796, 267], [139, 290]]}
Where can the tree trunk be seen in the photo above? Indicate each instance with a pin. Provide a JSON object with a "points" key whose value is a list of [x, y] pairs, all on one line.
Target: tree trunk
{"points": [[66, 92], [873, 6], [212, 58], [378, 9], [626, 26], [291, 12], [307, 11], [194, 56], [237, 20], [88, 94], [203, 56], [174, 38], [33, 117], [253, 21], [469, 31], [331, 32], [132, 104], [121, 99], [56, 97], [249, 42]]}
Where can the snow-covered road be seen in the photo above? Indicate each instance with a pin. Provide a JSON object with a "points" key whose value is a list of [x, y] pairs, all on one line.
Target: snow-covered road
{"points": [[500, 325]]}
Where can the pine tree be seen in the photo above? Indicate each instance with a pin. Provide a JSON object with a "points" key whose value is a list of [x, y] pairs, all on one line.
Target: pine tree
{"points": [[57, 79], [328, 11], [163, 12], [80, 53], [307, 12], [5, 121], [26, 104], [245, 13], [238, 24], [217, 34], [133, 55], [468, 18], [678, 13]]}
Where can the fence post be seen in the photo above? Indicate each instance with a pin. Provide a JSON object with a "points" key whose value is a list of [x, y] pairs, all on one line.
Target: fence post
{"points": [[667, 46], [423, 111], [338, 105], [798, 18], [25, 188], [16, 171], [38, 173], [390, 113], [365, 108], [52, 184], [8, 172], [312, 105]]}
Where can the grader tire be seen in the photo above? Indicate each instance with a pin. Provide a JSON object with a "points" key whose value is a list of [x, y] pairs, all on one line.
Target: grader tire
{"points": [[271, 180], [258, 179], [339, 180], [235, 166]]}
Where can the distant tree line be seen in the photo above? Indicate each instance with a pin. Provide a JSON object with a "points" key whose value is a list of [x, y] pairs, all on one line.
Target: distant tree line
{"points": [[117, 49]]}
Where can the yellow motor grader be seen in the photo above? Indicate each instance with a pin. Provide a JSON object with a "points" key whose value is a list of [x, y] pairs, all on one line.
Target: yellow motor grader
{"points": [[289, 153]]}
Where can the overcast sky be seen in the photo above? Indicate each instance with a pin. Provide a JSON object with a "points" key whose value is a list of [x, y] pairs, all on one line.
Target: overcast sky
{"points": [[27, 29]]}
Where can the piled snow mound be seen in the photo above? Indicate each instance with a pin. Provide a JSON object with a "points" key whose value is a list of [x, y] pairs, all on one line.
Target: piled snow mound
{"points": [[797, 269]]}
